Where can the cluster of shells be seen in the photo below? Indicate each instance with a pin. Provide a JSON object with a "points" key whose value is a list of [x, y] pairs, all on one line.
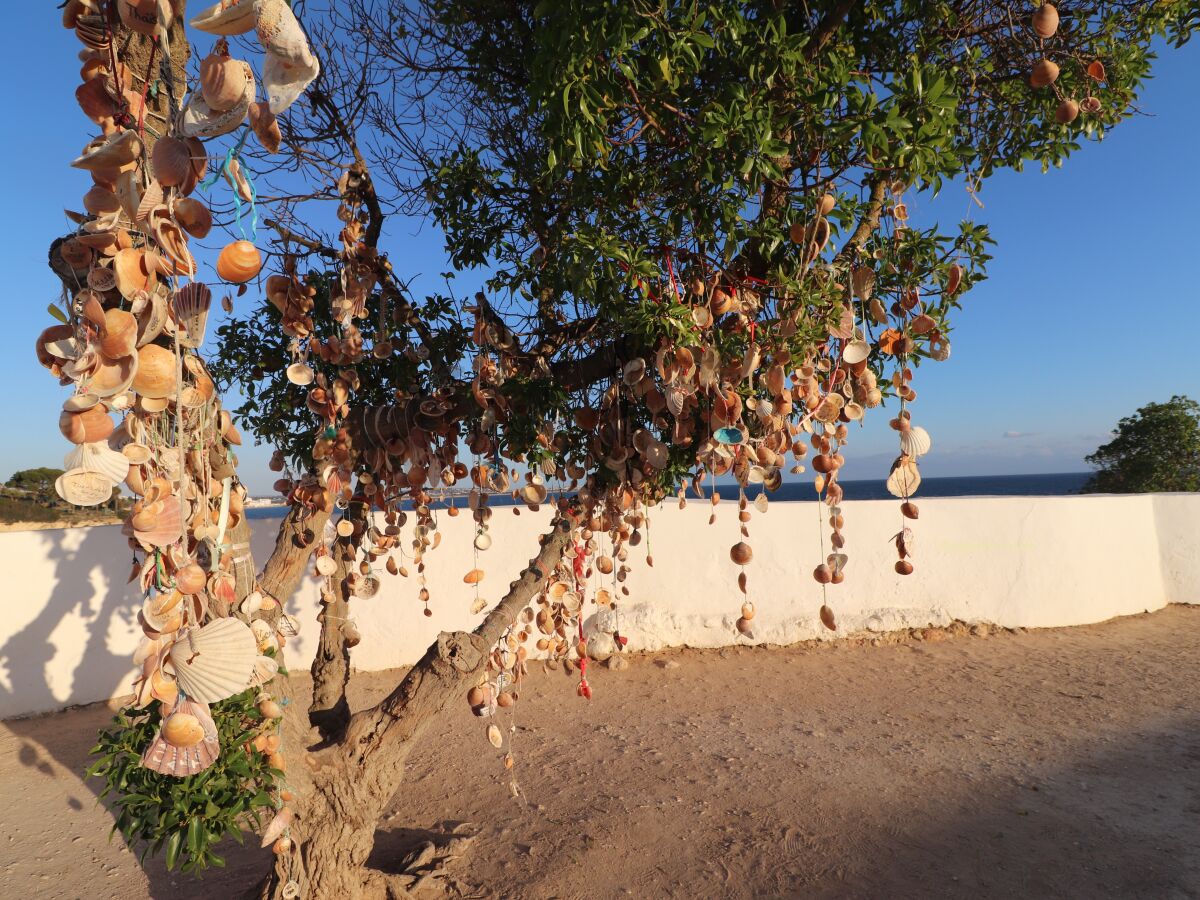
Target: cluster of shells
{"points": [[133, 318], [1045, 22]]}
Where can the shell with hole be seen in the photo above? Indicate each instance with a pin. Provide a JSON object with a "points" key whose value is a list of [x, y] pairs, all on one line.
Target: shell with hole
{"points": [[904, 479], [186, 743], [215, 661]]}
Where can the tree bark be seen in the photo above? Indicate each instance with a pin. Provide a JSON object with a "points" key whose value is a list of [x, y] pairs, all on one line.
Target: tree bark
{"points": [[355, 779], [329, 712]]}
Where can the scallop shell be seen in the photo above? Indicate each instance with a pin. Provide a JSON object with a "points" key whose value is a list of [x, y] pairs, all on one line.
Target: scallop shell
{"points": [[190, 307], [915, 442], [904, 479], [98, 457], [167, 526], [215, 661], [167, 759], [81, 487]]}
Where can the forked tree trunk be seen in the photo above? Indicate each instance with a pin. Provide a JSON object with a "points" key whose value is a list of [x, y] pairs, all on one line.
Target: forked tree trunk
{"points": [[354, 779]]}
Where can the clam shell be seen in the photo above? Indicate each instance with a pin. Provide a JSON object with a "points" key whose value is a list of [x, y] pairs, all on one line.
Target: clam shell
{"points": [[80, 402], [856, 351], [483, 541], [113, 376], [300, 373], [81, 487], [215, 661]]}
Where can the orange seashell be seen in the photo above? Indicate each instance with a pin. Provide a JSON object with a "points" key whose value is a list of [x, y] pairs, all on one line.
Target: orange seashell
{"points": [[193, 217], [741, 553], [1045, 72], [100, 201], [130, 267], [239, 262], [1096, 72], [265, 126], [222, 79], [156, 372], [86, 427], [1045, 20], [191, 579], [120, 337], [1067, 112], [113, 376]]}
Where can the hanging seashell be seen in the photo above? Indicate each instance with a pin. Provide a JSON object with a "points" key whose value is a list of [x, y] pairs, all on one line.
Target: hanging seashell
{"points": [[88, 426], [265, 127], [1045, 20], [300, 374], [98, 457], [856, 351], [228, 19], [277, 826], [1045, 72], [904, 478], [741, 553], [190, 725], [193, 216], [189, 305], [223, 80], [495, 736], [915, 441], [827, 618], [473, 577], [215, 661], [239, 262], [156, 374], [483, 541], [81, 487]]}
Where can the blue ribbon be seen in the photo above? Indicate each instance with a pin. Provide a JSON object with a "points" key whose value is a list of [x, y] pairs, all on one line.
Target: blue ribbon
{"points": [[232, 154]]}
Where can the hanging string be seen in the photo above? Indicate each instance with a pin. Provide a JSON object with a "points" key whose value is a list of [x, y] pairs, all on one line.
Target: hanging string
{"points": [[232, 156]]}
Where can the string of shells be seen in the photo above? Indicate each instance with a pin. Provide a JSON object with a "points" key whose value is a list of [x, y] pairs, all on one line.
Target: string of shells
{"points": [[144, 412]]}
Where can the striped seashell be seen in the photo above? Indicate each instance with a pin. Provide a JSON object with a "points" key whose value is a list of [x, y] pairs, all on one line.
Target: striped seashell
{"points": [[215, 661], [167, 758]]}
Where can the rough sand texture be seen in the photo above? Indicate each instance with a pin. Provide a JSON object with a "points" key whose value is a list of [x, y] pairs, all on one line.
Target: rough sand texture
{"points": [[1059, 763]]}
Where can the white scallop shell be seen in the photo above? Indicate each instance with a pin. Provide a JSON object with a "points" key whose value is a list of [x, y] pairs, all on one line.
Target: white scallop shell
{"points": [[915, 442], [98, 456], [215, 661], [180, 762]]}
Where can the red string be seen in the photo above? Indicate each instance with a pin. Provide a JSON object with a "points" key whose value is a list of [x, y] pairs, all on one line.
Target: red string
{"points": [[146, 87]]}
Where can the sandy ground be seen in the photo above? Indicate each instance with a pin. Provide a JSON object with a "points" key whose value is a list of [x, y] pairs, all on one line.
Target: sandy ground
{"points": [[1058, 763]]}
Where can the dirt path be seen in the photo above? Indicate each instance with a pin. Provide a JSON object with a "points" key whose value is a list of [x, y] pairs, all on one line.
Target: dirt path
{"points": [[1061, 763]]}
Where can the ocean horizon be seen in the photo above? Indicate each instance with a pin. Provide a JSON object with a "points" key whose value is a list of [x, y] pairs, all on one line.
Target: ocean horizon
{"points": [[799, 488]]}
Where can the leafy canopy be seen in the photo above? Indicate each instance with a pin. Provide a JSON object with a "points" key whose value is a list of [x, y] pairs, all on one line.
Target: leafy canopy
{"points": [[1155, 449]]}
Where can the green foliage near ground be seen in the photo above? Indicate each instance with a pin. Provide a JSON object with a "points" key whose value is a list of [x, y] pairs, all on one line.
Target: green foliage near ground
{"points": [[1155, 449], [186, 816]]}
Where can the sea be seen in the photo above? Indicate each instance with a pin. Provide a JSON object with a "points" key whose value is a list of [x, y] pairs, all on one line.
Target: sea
{"points": [[798, 487]]}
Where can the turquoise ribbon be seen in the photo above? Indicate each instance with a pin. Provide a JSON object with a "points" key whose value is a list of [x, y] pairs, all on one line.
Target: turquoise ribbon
{"points": [[233, 153]]}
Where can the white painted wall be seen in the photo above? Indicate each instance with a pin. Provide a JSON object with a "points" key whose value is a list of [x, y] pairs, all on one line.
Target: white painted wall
{"points": [[69, 626]]}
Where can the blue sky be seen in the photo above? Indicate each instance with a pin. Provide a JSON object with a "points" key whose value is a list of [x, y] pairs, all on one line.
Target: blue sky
{"points": [[1090, 311]]}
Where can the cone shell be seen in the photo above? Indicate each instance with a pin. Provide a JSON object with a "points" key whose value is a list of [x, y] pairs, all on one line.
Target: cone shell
{"points": [[155, 376], [239, 262], [216, 661], [180, 761]]}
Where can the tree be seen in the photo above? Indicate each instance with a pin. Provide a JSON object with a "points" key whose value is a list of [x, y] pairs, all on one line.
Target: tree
{"points": [[695, 224], [1155, 449], [38, 481]]}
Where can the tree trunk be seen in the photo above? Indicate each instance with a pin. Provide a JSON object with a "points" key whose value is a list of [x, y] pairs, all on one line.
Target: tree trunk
{"points": [[355, 778], [329, 712]]}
